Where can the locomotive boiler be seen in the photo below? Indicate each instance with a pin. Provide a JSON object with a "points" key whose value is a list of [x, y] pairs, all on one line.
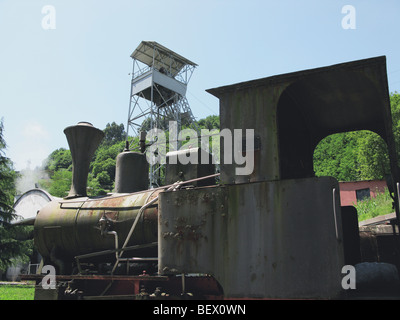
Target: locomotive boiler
{"points": [[276, 232], [78, 225]]}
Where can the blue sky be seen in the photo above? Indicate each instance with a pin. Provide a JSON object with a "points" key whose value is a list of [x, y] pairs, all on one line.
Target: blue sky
{"points": [[51, 79]]}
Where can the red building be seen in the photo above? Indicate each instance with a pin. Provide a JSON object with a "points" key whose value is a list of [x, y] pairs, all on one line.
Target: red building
{"points": [[351, 192]]}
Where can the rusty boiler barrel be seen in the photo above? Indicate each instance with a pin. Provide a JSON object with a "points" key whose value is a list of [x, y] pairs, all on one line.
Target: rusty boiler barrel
{"points": [[67, 228]]}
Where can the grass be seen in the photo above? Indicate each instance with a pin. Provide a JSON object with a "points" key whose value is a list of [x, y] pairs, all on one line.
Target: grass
{"points": [[373, 207], [17, 292]]}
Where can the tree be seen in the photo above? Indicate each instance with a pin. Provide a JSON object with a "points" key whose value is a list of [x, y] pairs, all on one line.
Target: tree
{"points": [[335, 156], [58, 159], [103, 166], [7, 181], [372, 156], [395, 105], [113, 133], [60, 183], [210, 122], [11, 248]]}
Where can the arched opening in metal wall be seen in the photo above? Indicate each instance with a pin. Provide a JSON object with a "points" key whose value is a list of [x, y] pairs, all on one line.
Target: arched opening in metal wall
{"points": [[320, 105], [310, 110]]}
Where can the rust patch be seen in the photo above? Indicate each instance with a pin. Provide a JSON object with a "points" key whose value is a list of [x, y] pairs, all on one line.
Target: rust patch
{"points": [[112, 215]]}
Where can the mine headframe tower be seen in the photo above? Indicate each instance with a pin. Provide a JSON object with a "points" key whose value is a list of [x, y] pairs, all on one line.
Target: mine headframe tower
{"points": [[158, 94]]}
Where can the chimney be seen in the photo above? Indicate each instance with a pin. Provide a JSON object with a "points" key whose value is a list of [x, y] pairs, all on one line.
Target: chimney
{"points": [[83, 140]]}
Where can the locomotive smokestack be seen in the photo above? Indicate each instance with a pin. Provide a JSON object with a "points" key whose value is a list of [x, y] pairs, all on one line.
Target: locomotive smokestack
{"points": [[83, 140]]}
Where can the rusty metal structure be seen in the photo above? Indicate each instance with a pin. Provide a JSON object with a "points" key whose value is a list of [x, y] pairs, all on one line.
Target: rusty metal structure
{"points": [[278, 232], [159, 83]]}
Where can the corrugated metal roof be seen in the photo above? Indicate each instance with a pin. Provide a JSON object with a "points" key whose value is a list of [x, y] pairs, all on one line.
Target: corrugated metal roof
{"points": [[163, 57]]}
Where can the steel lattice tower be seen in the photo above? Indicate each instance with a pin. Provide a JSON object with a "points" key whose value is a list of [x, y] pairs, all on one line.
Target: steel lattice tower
{"points": [[158, 93]]}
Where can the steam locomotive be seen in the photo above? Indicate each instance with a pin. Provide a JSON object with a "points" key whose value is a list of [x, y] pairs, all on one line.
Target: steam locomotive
{"points": [[278, 232]]}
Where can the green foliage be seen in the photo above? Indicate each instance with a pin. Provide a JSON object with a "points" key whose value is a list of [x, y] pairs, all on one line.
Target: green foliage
{"points": [[103, 166], [104, 178], [113, 134], [352, 156], [17, 292], [57, 160], [373, 207], [12, 247], [210, 122], [336, 156], [395, 105], [372, 155], [94, 187], [59, 184], [7, 182]]}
